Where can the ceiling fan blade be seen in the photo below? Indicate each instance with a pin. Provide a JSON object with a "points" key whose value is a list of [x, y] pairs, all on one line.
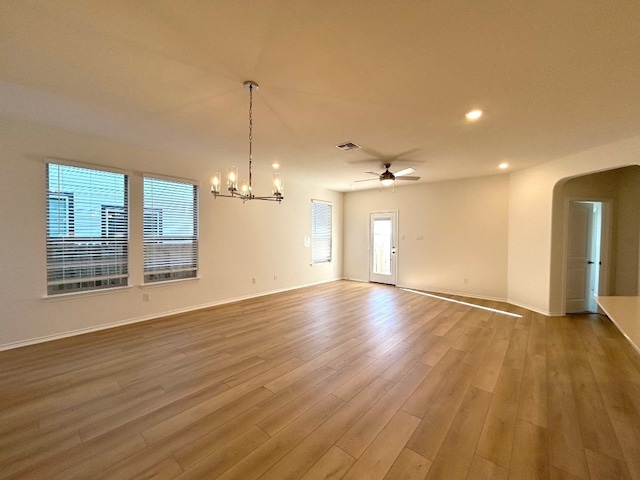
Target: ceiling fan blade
{"points": [[366, 180], [404, 171], [373, 173], [409, 152], [390, 158], [407, 178]]}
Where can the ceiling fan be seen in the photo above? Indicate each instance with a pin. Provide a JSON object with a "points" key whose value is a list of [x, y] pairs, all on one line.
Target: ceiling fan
{"points": [[388, 178]]}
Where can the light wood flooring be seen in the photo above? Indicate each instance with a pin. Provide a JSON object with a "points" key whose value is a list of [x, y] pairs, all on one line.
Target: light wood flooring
{"points": [[343, 380]]}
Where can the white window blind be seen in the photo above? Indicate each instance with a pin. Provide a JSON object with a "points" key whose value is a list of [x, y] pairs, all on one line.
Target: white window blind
{"points": [[87, 229], [170, 230], [320, 231]]}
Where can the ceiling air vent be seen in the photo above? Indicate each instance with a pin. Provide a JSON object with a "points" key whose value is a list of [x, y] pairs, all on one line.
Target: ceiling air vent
{"points": [[348, 146]]}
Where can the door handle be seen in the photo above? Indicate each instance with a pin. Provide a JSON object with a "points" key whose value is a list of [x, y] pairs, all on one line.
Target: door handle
{"points": [[590, 262]]}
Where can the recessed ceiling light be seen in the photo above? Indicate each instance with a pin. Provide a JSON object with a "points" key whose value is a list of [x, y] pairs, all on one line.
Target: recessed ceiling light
{"points": [[473, 115], [275, 165], [503, 165]]}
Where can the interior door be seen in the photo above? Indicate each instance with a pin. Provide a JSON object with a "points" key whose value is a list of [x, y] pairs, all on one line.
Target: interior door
{"points": [[580, 258], [383, 244]]}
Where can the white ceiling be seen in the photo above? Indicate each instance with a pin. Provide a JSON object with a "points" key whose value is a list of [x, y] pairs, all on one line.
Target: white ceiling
{"points": [[553, 78]]}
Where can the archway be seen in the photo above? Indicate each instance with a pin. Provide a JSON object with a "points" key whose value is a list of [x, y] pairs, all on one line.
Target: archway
{"points": [[621, 186]]}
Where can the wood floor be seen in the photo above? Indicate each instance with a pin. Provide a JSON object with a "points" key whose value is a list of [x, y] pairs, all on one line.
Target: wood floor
{"points": [[344, 380]]}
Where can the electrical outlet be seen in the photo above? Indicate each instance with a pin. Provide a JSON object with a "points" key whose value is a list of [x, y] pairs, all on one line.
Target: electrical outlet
{"points": [[146, 297], [466, 280], [275, 276], [253, 280]]}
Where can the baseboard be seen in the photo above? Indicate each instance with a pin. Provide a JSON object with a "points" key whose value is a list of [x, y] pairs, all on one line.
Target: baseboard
{"points": [[546, 313], [155, 316], [494, 299], [459, 294], [356, 280]]}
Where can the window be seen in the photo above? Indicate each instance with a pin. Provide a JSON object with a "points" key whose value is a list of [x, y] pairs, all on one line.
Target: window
{"points": [[152, 222], [320, 232], [170, 230], [87, 229], [59, 214], [114, 222]]}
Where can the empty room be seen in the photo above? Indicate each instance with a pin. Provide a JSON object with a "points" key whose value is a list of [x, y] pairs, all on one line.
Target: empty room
{"points": [[319, 240]]}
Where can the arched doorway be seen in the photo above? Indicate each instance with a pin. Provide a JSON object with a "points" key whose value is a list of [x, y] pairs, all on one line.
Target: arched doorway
{"points": [[620, 190]]}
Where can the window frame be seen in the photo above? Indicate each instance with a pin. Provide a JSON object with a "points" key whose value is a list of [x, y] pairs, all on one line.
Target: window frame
{"points": [[320, 238], [69, 212], [156, 227], [161, 234], [111, 228], [82, 261]]}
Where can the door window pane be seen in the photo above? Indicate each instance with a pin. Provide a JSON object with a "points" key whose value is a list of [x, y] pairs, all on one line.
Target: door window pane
{"points": [[382, 246]]}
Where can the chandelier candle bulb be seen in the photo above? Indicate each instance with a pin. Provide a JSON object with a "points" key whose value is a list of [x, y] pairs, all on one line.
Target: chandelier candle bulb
{"points": [[232, 179], [215, 183], [278, 184], [245, 190]]}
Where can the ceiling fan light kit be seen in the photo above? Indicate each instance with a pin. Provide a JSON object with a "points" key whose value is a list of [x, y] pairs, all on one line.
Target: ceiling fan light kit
{"points": [[388, 179], [245, 192]]}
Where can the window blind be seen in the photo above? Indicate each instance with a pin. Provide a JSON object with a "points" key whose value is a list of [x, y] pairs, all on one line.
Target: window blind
{"points": [[87, 229], [170, 221], [320, 231]]}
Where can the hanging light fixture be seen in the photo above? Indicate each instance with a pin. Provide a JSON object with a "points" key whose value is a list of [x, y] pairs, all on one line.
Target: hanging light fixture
{"points": [[245, 191], [387, 178]]}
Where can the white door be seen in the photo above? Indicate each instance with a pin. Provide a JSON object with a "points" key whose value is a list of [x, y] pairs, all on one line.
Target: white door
{"points": [[383, 245], [583, 256]]}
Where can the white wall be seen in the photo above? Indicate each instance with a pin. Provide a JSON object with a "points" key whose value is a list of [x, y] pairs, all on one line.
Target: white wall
{"points": [[237, 242], [534, 253], [463, 225], [628, 228]]}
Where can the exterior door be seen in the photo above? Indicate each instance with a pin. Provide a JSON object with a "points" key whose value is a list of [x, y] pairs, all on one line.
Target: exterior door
{"points": [[582, 257], [383, 243]]}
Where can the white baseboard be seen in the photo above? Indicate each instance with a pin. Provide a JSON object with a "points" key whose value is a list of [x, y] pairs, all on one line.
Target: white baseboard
{"points": [[495, 299], [460, 294], [356, 280], [546, 313], [155, 316]]}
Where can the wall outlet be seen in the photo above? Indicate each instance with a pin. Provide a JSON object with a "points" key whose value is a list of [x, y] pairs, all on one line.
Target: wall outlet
{"points": [[253, 280], [466, 280], [275, 276], [146, 297]]}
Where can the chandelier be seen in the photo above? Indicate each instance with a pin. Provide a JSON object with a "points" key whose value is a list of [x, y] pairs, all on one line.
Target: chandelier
{"points": [[245, 192]]}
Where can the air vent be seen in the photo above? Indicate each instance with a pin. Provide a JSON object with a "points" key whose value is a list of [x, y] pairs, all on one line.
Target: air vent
{"points": [[348, 146]]}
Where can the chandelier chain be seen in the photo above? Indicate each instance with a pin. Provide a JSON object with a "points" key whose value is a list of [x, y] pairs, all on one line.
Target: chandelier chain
{"points": [[250, 132]]}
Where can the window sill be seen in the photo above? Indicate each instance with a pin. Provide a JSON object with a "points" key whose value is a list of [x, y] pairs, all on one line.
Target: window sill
{"points": [[320, 264], [144, 286], [89, 293]]}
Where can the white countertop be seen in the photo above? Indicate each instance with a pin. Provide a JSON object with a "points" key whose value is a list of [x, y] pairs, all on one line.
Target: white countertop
{"points": [[624, 312]]}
